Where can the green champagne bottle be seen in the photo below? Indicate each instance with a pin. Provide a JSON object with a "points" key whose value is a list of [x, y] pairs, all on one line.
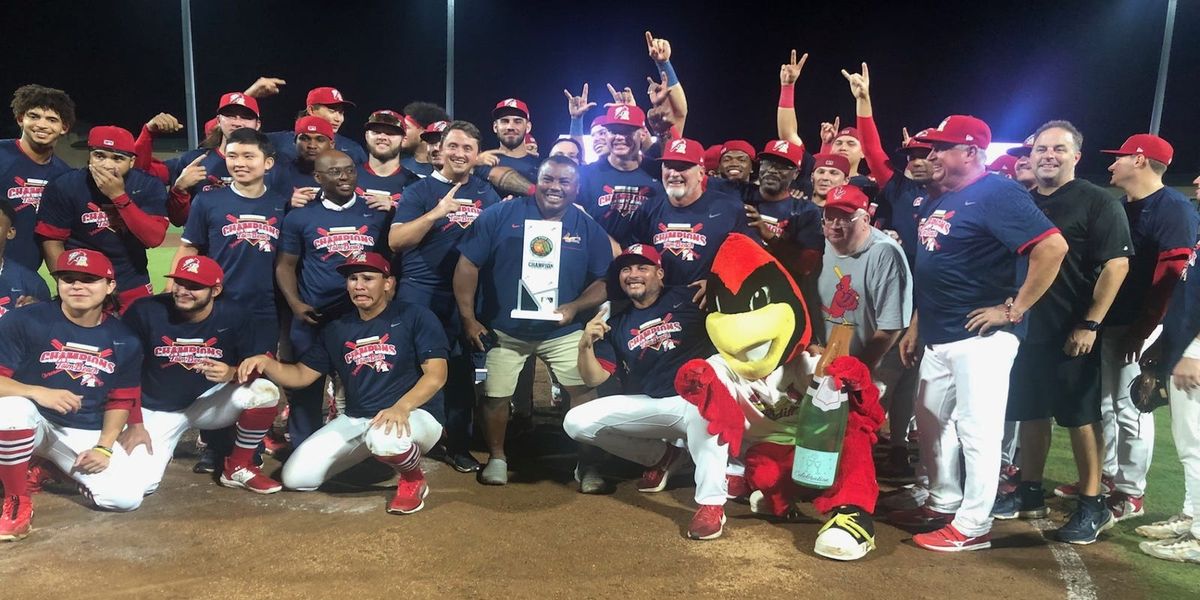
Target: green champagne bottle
{"points": [[821, 420]]}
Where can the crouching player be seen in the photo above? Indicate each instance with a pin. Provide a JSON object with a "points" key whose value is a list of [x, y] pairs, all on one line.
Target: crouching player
{"points": [[69, 374], [193, 342], [392, 360]]}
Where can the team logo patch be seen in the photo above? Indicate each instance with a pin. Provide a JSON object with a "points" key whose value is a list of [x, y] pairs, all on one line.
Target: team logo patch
{"points": [[468, 211], [395, 198], [4, 302], [541, 246], [510, 102], [258, 231], [933, 226], [343, 241], [624, 199], [187, 352], [917, 201], [680, 239], [373, 352], [621, 113], [335, 93], [79, 361], [679, 146], [237, 99], [780, 146], [191, 265], [844, 300], [77, 258], [656, 334], [26, 193]]}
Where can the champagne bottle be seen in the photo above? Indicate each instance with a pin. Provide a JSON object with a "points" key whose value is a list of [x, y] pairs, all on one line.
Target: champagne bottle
{"points": [[821, 420]]}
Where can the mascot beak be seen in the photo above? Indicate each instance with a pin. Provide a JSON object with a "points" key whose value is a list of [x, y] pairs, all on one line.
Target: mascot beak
{"points": [[752, 343]]}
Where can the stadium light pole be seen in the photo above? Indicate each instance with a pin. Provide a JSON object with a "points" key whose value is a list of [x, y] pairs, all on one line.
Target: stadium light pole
{"points": [[1163, 61], [189, 74], [450, 56]]}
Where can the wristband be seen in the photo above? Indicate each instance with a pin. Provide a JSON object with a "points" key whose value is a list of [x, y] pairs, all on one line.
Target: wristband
{"points": [[1008, 310], [665, 67], [102, 450], [576, 126], [787, 95], [1193, 350], [122, 201]]}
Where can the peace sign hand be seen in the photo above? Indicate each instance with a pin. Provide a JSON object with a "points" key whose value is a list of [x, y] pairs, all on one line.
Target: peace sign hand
{"points": [[789, 72]]}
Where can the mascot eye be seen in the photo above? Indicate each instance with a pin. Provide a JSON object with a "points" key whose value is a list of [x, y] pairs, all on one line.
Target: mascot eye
{"points": [[761, 298]]}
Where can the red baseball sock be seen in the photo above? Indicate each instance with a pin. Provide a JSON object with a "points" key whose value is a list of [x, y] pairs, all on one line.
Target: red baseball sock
{"points": [[16, 448], [407, 464], [252, 427]]}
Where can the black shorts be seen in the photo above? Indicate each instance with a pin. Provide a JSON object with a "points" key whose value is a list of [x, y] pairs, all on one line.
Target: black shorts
{"points": [[1045, 382]]}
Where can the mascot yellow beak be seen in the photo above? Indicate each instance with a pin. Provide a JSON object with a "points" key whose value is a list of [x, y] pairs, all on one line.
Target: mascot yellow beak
{"points": [[752, 343]]}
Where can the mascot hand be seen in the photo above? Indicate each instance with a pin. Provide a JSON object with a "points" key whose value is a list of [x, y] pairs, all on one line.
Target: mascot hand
{"points": [[693, 377], [697, 382]]}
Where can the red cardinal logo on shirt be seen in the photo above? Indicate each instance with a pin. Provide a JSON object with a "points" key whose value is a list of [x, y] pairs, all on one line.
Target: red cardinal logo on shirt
{"points": [[624, 199], [257, 230], [27, 193], [187, 352], [844, 299], [374, 352], [344, 241], [655, 335], [79, 361], [680, 239]]}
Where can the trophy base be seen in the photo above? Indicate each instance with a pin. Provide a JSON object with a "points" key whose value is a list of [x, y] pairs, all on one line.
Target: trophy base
{"points": [[536, 315]]}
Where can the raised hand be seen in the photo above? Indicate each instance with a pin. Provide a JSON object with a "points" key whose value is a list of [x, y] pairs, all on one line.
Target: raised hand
{"points": [[624, 97], [789, 72], [192, 174], [164, 123], [659, 49], [658, 90], [829, 130], [265, 86], [860, 83], [577, 106], [447, 205], [596, 329]]}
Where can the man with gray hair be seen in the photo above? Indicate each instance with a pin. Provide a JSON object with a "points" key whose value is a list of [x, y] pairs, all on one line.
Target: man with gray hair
{"points": [[1057, 369]]}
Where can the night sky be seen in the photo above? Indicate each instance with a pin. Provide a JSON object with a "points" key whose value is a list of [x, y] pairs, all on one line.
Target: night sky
{"points": [[1014, 64]]}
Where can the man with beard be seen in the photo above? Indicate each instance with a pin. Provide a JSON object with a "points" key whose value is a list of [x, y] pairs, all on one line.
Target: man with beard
{"points": [[192, 345], [414, 154], [27, 164], [109, 207], [614, 188], [382, 178], [494, 247], [293, 178], [315, 240], [511, 168], [435, 214]]}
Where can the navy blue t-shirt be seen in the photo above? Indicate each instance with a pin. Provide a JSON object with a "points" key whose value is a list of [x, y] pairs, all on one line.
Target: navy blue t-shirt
{"points": [[902, 198], [1181, 324], [75, 211], [971, 242], [613, 197], [646, 346], [1162, 223], [17, 281], [174, 347], [688, 237], [42, 347], [431, 263], [392, 185], [790, 219], [286, 176], [214, 166], [420, 169], [526, 166], [242, 235], [495, 242], [380, 360], [22, 182], [285, 147], [323, 238]]}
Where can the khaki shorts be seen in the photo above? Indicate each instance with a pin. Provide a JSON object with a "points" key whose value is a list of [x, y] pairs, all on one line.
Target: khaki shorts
{"points": [[505, 361]]}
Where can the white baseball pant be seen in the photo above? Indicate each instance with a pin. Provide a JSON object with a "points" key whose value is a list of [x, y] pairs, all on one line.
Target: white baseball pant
{"points": [[1185, 428], [960, 413], [1010, 443], [346, 441], [119, 487], [1128, 432], [217, 408], [639, 428]]}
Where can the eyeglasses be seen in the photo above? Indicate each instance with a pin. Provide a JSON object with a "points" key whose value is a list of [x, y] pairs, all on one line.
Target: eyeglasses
{"points": [[770, 165], [339, 171], [839, 221]]}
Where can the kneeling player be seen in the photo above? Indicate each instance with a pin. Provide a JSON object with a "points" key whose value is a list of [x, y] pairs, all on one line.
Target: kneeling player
{"points": [[392, 360], [193, 343], [69, 375]]}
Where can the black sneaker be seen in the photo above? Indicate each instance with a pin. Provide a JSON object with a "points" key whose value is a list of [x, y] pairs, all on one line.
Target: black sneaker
{"points": [[208, 461], [848, 535], [1085, 525], [463, 462]]}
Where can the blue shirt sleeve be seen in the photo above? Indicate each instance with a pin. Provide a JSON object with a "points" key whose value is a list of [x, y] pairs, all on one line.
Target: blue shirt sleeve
{"points": [[480, 240], [1173, 225], [429, 338], [152, 195], [55, 207], [291, 238], [38, 288], [317, 356], [15, 346], [1015, 220], [195, 231], [599, 250], [411, 206]]}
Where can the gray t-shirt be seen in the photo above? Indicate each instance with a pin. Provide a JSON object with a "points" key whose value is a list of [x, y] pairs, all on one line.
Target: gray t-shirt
{"points": [[870, 289]]}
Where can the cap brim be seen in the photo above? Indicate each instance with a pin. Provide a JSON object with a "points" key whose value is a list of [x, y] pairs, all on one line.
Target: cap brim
{"points": [[188, 277], [1119, 152], [507, 111], [783, 157], [398, 127], [934, 139], [1019, 151], [58, 272], [348, 269]]}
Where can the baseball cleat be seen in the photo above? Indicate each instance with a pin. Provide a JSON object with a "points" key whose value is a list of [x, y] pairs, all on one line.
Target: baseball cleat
{"points": [[248, 478], [848, 535], [950, 539], [208, 461], [1185, 549], [16, 518], [707, 523], [410, 496], [920, 518], [1166, 530], [463, 462], [655, 478], [1123, 506], [41, 472], [1085, 525]]}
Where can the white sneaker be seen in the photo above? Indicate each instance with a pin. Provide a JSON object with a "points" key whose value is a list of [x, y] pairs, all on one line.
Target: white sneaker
{"points": [[1185, 549], [1166, 530]]}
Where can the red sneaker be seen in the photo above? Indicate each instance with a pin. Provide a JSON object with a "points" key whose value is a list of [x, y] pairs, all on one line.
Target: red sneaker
{"points": [[655, 478], [274, 447], [708, 523], [248, 477], [949, 539], [737, 488], [1070, 491], [1123, 506], [922, 517], [41, 472], [410, 494], [16, 518]]}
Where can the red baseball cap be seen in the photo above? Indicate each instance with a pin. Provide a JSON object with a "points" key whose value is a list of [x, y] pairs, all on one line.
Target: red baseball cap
{"points": [[846, 197], [199, 269], [644, 254], [739, 146], [327, 96], [366, 261], [510, 106], [210, 125], [529, 139], [1005, 164], [311, 124], [1148, 145], [87, 262], [914, 145], [601, 120], [712, 156], [1025, 149], [434, 131], [849, 131], [793, 153], [625, 114], [113, 138], [959, 129], [683, 150], [386, 118], [238, 99], [836, 161]]}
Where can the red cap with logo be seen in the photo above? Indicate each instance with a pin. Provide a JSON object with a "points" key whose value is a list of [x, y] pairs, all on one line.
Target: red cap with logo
{"points": [[510, 106], [625, 114], [111, 138], [1150, 146], [87, 262], [238, 99], [793, 153], [833, 161], [314, 125], [914, 145], [683, 150], [849, 131], [738, 146], [327, 96], [959, 129], [366, 261], [434, 131], [199, 269], [644, 254], [846, 197], [1024, 149], [1005, 164]]}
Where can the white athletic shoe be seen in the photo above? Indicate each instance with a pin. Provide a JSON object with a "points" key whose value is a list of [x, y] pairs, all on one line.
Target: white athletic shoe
{"points": [[1185, 549], [848, 535], [1166, 530]]}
